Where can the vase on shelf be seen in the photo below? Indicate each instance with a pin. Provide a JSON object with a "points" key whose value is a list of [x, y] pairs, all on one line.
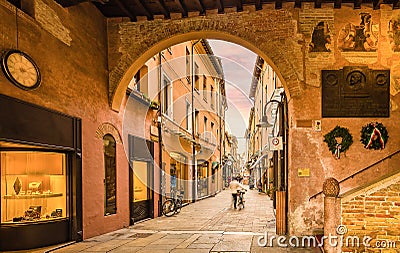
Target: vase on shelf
{"points": [[17, 186]]}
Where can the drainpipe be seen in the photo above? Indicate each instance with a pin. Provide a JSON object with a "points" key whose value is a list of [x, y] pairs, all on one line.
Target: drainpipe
{"points": [[160, 134], [194, 163]]}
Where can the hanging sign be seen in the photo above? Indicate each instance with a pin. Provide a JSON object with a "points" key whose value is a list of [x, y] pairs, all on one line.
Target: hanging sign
{"points": [[275, 143]]}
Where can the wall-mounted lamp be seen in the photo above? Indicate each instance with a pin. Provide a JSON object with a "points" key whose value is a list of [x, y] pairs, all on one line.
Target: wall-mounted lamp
{"points": [[264, 119]]}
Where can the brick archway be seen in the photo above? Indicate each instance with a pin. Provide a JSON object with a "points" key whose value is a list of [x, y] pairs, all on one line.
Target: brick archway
{"points": [[135, 43]]}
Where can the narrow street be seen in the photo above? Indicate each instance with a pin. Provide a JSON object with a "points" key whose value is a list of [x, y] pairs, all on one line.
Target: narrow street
{"points": [[209, 225]]}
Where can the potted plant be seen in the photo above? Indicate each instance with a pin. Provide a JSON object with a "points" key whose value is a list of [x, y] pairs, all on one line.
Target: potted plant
{"points": [[155, 105]]}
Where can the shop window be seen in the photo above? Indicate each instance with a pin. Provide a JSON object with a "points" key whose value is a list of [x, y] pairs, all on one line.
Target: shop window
{"points": [[33, 186], [179, 176], [110, 181]]}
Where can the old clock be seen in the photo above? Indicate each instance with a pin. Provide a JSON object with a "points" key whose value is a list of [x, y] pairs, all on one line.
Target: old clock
{"points": [[20, 69]]}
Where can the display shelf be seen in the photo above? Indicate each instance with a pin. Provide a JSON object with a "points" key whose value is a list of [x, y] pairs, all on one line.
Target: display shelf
{"points": [[27, 222], [33, 196]]}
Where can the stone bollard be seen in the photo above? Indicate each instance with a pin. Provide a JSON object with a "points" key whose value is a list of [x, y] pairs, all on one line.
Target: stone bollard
{"points": [[332, 214]]}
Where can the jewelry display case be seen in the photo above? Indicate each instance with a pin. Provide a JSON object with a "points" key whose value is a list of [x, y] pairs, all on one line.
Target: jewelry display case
{"points": [[33, 186]]}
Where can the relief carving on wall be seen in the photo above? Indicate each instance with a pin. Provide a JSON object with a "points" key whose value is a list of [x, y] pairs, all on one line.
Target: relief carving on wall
{"points": [[360, 38], [394, 34], [321, 38]]}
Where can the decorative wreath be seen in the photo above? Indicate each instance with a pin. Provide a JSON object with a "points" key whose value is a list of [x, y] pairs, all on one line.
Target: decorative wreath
{"points": [[335, 147], [374, 136]]}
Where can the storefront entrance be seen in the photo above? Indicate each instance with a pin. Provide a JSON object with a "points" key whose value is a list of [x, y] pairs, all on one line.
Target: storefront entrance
{"points": [[179, 175], [141, 197], [141, 176], [202, 179], [41, 178]]}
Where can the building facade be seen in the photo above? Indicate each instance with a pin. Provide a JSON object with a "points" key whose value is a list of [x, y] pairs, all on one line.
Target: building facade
{"points": [[191, 118], [264, 125]]}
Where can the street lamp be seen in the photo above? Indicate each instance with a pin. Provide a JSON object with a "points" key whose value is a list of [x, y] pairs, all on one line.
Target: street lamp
{"points": [[280, 169], [264, 119]]}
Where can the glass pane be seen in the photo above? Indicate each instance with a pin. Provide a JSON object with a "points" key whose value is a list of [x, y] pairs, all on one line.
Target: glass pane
{"points": [[140, 181], [33, 186], [110, 182]]}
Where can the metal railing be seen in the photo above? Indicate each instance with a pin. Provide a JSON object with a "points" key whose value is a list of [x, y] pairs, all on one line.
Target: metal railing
{"points": [[360, 171]]}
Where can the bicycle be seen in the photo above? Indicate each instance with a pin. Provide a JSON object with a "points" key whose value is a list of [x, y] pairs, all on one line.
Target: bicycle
{"points": [[172, 205], [240, 199]]}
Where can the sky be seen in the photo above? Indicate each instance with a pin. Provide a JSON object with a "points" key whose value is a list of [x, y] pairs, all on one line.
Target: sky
{"points": [[238, 64]]}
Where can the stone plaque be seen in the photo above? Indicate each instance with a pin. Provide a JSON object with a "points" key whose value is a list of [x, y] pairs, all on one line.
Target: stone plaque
{"points": [[355, 92]]}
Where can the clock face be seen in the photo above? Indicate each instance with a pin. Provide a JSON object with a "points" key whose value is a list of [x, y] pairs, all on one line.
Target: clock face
{"points": [[21, 70]]}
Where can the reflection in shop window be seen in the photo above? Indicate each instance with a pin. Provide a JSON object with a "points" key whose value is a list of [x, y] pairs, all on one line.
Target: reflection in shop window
{"points": [[110, 181]]}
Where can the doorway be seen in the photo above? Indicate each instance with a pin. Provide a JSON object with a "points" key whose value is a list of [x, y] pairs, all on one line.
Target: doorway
{"points": [[141, 174], [140, 193]]}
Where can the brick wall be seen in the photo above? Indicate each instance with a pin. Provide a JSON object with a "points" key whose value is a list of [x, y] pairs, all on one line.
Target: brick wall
{"points": [[282, 38], [374, 213]]}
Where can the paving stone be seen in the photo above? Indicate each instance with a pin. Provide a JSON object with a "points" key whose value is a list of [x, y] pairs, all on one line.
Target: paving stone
{"points": [[127, 249], [107, 246], [232, 246], [153, 251], [169, 241], [208, 225], [160, 247], [177, 236], [76, 247], [189, 251], [188, 241], [201, 246]]}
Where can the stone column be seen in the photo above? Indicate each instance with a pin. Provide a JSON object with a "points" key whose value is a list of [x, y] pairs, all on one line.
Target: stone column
{"points": [[332, 215]]}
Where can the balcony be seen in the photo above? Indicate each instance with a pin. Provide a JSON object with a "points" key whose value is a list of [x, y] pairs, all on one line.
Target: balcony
{"points": [[170, 126]]}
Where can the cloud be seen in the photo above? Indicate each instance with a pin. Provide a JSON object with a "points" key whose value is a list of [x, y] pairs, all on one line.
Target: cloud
{"points": [[238, 64]]}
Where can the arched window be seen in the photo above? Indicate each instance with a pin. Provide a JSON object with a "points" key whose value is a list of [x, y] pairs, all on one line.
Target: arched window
{"points": [[110, 177]]}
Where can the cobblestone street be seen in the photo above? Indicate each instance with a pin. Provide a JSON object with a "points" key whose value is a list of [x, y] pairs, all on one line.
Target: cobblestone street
{"points": [[209, 225]]}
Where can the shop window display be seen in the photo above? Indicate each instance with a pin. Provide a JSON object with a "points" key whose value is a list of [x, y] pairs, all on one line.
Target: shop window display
{"points": [[33, 186]]}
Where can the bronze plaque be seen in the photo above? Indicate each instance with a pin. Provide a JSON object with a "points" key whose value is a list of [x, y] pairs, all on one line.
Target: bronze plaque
{"points": [[355, 92]]}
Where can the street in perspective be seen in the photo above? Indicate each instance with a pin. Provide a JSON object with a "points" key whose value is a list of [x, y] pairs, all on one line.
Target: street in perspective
{"points": [[210, 225], [200, 126]]}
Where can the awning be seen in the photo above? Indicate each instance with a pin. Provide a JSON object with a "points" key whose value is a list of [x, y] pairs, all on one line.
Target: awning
{"points": [[214, 165]]}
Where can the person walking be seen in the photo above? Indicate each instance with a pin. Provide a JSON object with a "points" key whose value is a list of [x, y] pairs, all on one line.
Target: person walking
{"points": [[234, 186]]}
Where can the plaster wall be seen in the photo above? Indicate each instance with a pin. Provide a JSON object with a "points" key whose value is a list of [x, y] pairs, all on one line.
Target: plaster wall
{"points": [[71, 52]]}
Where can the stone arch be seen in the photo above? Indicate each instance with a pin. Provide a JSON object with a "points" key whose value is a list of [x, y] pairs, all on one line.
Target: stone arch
{"points": [[108, 128], [135, 43]]}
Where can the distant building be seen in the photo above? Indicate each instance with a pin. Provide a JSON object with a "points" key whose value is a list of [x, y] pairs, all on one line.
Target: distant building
{"points": [[265, 88], [191, 117]]}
